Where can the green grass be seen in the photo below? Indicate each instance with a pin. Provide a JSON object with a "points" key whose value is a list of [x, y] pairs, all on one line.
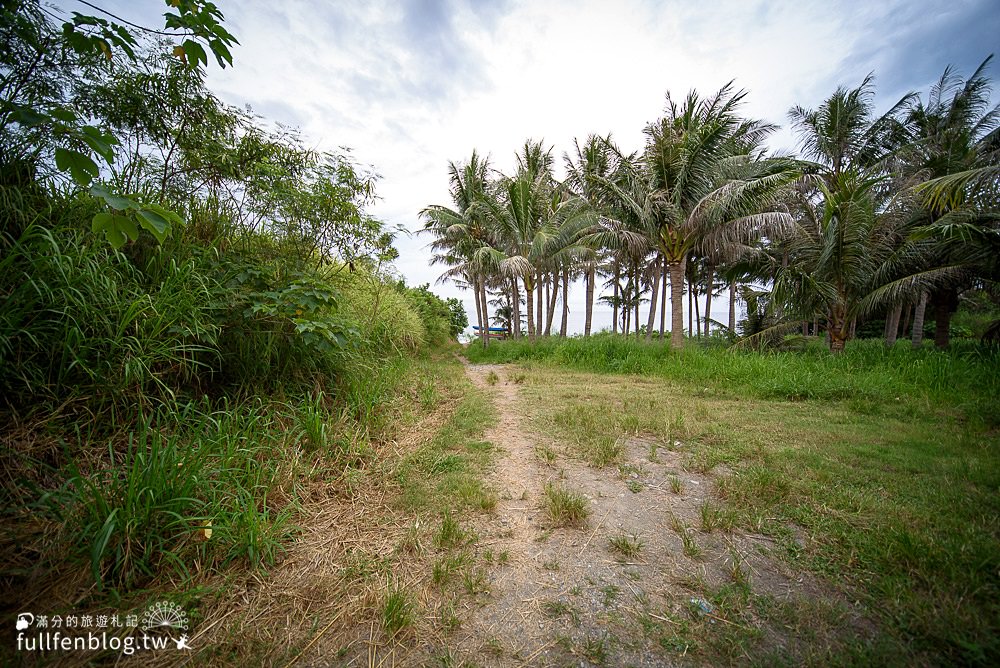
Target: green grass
{"points": [[565, 507], [894, 500], [965, 378], [628, 545], [398, 610]]}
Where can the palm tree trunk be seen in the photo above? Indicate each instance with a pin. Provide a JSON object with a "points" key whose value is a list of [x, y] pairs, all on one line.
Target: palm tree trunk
{"points": [[690, 309], [942, 317], [638, 294], [708, 297], [663, 300], [515, 309], [486, 314], [732, 308], [677, 303], [479, 306], [553, 287], [614, 317], [589, 317], [838, 329], [907, 314], [652, 300], [697, 317], [892, 325], [564, 325], [547, 309], [529, 304], [918, 321], [540, 305]]}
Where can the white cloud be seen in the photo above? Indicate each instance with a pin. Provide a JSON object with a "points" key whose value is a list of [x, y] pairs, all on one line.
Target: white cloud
{"points": [[411, 86]]}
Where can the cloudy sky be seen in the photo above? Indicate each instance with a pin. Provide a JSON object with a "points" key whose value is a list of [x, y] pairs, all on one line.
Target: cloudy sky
{"points": [[410, 85]]}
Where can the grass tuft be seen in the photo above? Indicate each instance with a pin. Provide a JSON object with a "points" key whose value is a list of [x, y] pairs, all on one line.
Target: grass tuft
{"points": [[565, 507]]}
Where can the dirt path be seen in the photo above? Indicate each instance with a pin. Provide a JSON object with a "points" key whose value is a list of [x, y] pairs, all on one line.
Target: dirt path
{"points": [[565, 596]]}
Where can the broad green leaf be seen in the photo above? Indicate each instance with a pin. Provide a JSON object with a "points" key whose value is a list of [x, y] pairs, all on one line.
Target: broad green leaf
{"points": [[114, 201], [63, 114], [98, 141], [79, 165], [154, 223], [195, 53], [115, 227], [29, 117]]}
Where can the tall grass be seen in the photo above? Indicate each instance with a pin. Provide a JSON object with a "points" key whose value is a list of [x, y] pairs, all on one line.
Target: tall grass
{"points": [[193, 387], [965, 378]]}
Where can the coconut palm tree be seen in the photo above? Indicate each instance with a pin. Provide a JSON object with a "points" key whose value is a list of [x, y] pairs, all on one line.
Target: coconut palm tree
{"points": [[955, 148], [461, 235], [702, 174]]}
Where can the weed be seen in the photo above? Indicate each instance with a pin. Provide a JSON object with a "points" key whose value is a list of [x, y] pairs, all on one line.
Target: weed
{"points": [[552, 565], [627, 545], [634, 486], [565, 507], [610, 594], [676, 486], [503, 557], [398, 610], [691, 548], [595, 648], [492, 378], [714, 517], [475, 582], [451, 533], [546, 454]]}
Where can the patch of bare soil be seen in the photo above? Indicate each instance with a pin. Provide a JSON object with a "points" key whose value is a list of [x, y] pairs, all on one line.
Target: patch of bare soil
{"points": [[566, 597]]}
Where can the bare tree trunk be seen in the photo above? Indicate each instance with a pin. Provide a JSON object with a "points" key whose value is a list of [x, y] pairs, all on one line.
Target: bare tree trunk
{"points": [[515, 309], [486, 315], [564, 325], [637, 292], [614, 317], [816, 326], [540, 298], [918, 321], [732, 308], [697, 317], [677, 303], [663, 300], [479, 306], [942, 318], [553, 287], [710, 287], [690, 308], [589, 316], [907, 314], [892, 325], [651, 322], [529, 307], [805, 328]]}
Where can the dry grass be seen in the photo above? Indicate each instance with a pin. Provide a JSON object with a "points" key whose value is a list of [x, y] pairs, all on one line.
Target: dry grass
{"points": [[335, 594]]}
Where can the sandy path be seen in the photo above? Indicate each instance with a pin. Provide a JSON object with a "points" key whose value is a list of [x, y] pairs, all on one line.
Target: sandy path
{"points": [[565, 597]]}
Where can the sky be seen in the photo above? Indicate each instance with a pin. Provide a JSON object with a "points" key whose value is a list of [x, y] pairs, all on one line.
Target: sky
{"points": [[409, 86]]}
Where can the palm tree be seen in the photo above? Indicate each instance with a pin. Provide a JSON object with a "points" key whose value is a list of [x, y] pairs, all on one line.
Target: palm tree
{"points": [[461, 234], [955, 148], [702, 173], [845, 240], [535, 228]]}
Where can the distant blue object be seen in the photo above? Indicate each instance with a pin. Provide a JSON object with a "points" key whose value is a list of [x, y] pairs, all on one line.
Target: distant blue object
{"points": [[502, 330]]}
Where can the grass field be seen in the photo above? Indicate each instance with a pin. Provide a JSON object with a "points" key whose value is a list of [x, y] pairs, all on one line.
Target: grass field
{"points": [[878, 469]]}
